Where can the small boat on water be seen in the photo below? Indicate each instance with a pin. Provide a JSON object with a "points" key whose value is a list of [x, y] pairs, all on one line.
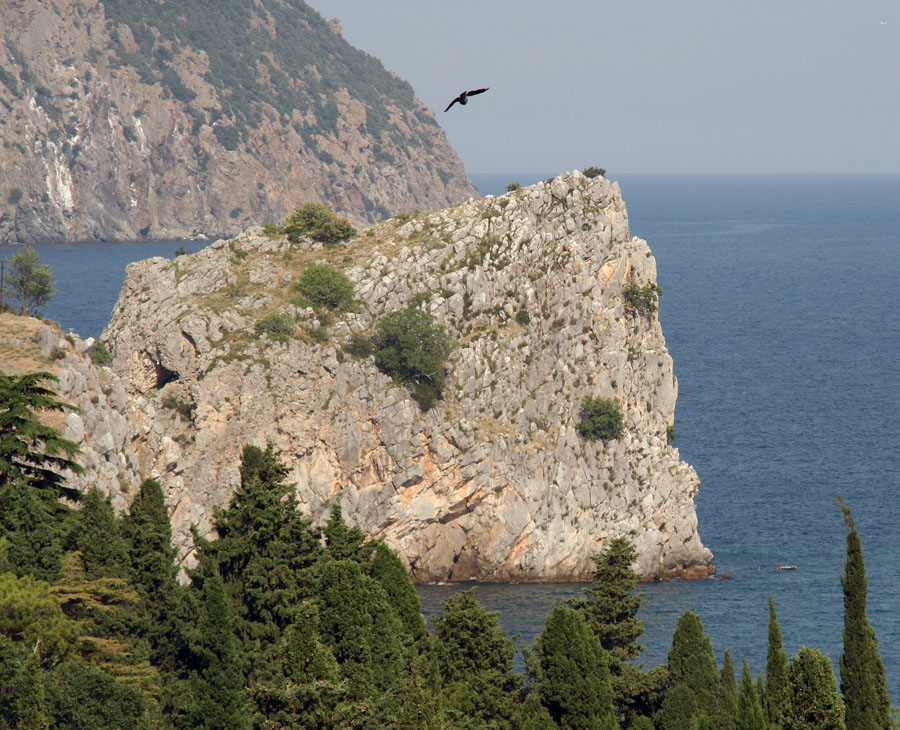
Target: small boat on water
{"points": [[787, 567]]}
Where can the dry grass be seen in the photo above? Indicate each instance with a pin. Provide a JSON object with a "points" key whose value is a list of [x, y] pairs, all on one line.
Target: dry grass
{"points": [[19, 350]]}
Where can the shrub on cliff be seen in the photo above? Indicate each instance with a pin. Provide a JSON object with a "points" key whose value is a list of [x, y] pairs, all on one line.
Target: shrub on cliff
{"points": [[411, 347], [318, 223], [594, 171], [642, 298], [325, 286], [278, 326], [600, 418]]}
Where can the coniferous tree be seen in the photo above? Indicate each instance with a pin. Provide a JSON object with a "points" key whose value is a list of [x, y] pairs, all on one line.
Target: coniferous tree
{"points": [[154, 575], [693, 664], [388, 569], [727, 715], [750, 714], [776, 688], [571, 673], [610, 606], [98, 537], [265, 551], [475, 658], [30, 450], [219, 701], [32, 523], [30, 710], [863, 681], [814, 702], [344, 542], [679, 709]]}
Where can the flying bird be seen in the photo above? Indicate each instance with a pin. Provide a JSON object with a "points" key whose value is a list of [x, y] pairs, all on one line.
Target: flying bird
{"points": [[463, 98]]}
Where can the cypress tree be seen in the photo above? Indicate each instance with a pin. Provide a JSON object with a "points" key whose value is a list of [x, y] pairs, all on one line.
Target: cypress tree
{"points": [[30, 710], [344, 542], [390, 572], [154, 575], [475, 658], [33, 525], [265, 552], [693, 664], [219, 702], [727, 716], [814, 702], [679, 709], [98, 537], [573, 676], [750, 714], [776, 687], [863, 681]]}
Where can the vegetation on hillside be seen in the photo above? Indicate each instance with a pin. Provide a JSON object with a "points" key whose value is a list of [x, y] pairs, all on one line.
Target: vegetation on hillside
{"points": [[285, 624]]}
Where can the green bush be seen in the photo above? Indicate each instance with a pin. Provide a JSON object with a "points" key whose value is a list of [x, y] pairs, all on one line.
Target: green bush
{"points": [[359, 346], [325, 286], [273, 230], [318, 223], [15, 195], [100, 354], [522, 317], [600, 418], [512, 186], [593, 171], [278, 326], [319, 334], [412, 348], [641, 298]]}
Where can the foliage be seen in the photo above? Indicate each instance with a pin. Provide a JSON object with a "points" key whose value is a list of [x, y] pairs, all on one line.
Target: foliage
{"points": [[325, 286], [30, 450], [412, 348], [32, 530], [278, 326], [30, 613], [815, 703], [600, 418], [319, 223], [273, 230], [863, 681], [593, 171], [475, 658], [522, 317], [572, 675], [750, 715], [726, 716], [100, 354], [510, 187], [610, 606], [15, 195], [642, 299], [776, 688], [359, 346], [28, 280], [98, 539], [693, 664]]}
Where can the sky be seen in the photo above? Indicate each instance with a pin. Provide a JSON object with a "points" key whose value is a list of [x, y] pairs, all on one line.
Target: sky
{"points": [[648, 85]]}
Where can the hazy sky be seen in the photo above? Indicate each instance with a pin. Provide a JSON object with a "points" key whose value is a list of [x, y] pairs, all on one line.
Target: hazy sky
{"points": [[648, 85]]}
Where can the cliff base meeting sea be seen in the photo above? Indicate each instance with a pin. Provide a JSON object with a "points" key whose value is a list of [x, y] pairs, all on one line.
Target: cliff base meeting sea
{"points": [[779, 308]]}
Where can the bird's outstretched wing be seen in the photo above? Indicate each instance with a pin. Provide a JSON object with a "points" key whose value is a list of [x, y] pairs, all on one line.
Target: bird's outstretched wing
{"points": [[452, 103], [478, 91]]}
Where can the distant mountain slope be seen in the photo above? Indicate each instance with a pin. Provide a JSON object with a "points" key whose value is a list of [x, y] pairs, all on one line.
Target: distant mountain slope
{"points": [[142, 118]]}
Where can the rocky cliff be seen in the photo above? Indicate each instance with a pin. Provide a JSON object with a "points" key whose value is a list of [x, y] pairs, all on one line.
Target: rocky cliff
{"points": [[135, 118], [494, 482]]}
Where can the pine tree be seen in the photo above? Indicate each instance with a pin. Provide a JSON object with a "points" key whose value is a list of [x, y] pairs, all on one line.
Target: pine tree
{"points": [[693, 664], [814, 702], [750, 714], [30, 710], [344, 542], [727, 715], [98, 537], [572, 677], [776, 692], [679, 709], [475, 658], [33, 525], [219, 702], [388, 569], [863, 681]]}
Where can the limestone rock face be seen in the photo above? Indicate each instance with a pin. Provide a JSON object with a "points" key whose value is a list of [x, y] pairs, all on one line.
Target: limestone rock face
{"points": [[494, 482], [118, 126]]}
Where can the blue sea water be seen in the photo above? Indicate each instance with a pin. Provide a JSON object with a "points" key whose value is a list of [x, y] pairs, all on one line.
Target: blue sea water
{"points": [[780, 310]]}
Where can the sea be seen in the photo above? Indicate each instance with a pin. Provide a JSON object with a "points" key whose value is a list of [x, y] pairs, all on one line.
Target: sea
{"points": [[780, 309]]}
